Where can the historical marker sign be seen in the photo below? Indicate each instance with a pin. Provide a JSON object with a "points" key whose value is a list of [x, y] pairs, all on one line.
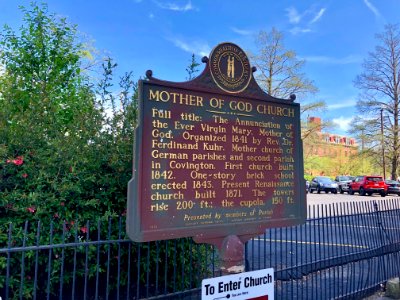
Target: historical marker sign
{"points": [[215, 156]]}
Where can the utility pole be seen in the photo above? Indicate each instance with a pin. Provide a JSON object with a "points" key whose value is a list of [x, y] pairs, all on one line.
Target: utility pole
{"points": [[362, 149], [383, 148]]}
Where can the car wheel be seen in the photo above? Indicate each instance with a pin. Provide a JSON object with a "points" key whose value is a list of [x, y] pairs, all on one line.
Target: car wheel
{"points": [[369, 194], [335, 192], [351, 192], [318, 190], [383, 194], [311, 191], [362, 191], [340, 190], [398, 194]]}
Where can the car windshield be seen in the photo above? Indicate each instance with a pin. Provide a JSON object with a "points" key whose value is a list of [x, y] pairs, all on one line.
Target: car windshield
{"points": [[324, 179], [391, 182], [344, 178], [374, 179]]}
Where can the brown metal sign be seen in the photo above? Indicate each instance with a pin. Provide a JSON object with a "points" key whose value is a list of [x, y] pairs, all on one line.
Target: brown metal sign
{"points": [[215, 156]]}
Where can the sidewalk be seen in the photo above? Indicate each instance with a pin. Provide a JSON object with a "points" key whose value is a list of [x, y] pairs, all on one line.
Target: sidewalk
{"points": [[380, 295]]}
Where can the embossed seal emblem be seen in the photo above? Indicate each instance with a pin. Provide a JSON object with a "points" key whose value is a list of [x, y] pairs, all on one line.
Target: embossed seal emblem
{"points": [[230, 68]]}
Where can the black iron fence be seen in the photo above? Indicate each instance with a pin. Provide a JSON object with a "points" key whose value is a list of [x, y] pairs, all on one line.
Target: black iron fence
{"points": [[344, 250]]}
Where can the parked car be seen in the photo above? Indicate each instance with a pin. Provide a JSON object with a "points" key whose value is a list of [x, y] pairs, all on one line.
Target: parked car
{"points": [[307, 186], [368, 185], [323, 183], [393, 187], [343, 182]]}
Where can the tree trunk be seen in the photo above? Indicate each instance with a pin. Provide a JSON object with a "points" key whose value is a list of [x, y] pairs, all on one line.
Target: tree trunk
{"points": [[395, 159]]}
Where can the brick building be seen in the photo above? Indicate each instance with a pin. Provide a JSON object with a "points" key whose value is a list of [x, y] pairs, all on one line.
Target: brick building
{"points": [[338, 148]]}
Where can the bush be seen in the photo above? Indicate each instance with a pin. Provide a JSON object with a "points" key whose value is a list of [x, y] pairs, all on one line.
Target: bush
{"points": [[66, 140], [67, 146]]}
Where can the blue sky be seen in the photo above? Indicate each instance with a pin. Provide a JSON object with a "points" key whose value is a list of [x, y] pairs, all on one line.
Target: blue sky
{"points": [[333, 36]]}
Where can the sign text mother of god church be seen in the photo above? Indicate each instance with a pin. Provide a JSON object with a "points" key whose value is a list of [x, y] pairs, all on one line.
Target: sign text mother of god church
{"points": [[215, 156]]}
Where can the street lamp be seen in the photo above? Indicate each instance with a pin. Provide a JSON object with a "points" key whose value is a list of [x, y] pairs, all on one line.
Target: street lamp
{"points": [[383, 148]]}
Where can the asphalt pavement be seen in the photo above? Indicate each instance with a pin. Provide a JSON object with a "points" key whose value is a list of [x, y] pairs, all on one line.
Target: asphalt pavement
{"points": [[341, 202], [325, 237], [330, 198]]}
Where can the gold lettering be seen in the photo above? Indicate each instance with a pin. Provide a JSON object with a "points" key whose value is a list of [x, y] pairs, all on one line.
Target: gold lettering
{"points": [[275, 110], [244, 148], [159, 96], [169, 186], [166, 155], [178, 98], [251, 203], [236, 214], [208, 156], [228, 185], [270, 132], [179, 125], [209, 194], [196, 217], [162, 196]]}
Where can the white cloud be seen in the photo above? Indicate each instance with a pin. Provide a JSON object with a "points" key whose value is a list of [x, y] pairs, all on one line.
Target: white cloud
{"points": [[343, 123], [175, 7], [293, 15], [197, 47], [242, 31], [318, 15], [350, 59], [151, 16], [297, 30], [344, 104], [304, 20], [372, 8]]}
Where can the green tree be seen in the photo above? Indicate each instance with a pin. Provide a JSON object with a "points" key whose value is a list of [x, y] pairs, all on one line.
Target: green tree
{"points": [[367, 131], [65, 149], [192, 69], [280, 68], [42, 88], [362, 163], [380, 97], [280, 74], [47, 119]]}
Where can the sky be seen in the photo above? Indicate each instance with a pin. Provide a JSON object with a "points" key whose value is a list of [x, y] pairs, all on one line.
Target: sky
{"points": [[332, 36]]}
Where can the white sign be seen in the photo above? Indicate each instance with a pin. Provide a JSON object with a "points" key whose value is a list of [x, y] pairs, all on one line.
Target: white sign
{"points": [[242, 286]]}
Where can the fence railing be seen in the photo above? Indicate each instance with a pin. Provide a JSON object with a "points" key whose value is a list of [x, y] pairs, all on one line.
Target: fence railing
{"points": [[344, 250]]}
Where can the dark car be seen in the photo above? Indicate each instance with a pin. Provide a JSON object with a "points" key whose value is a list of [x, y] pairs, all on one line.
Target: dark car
{"points": [[343, 182], [323, 183], [368, 185], [393, 187]]}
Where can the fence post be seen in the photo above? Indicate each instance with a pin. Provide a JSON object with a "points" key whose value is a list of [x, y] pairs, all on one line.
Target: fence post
{"points": [[381, 238], [232, 255]]}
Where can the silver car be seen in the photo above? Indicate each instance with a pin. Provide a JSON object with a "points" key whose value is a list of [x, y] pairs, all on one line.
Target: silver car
{"points": [[343, 182], [323, 183]]}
